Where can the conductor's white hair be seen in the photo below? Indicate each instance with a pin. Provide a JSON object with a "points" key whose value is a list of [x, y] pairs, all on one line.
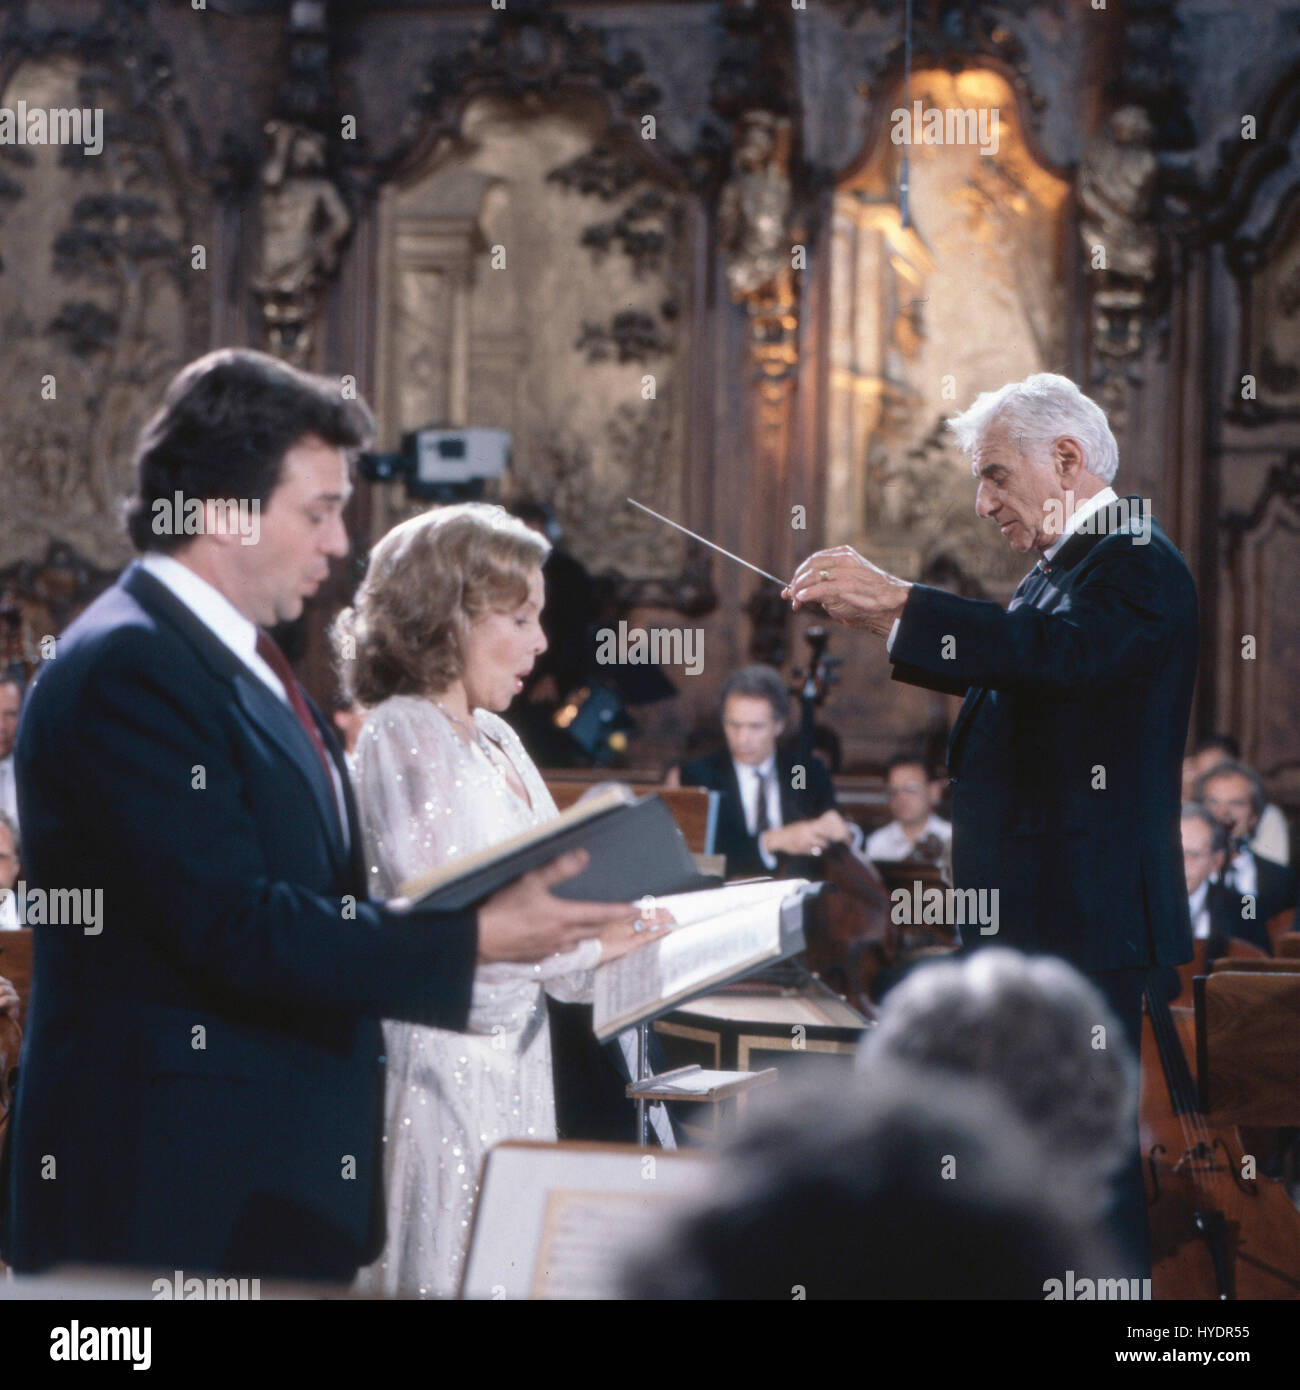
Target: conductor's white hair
{"points": [[1037, 411]]}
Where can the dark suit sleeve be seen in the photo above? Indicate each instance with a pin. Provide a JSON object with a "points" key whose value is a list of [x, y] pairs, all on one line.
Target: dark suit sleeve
{"points": [[915, 675], [1115, 627], [205, 890], [821, 789], [698, 774]]}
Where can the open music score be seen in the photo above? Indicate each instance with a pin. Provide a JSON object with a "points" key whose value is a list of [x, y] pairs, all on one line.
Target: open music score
{"points": [[720, 935], [560, 1220]]}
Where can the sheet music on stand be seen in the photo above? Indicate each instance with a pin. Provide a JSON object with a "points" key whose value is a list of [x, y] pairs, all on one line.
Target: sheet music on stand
{"points": [[722, 934], [558, 1221]]}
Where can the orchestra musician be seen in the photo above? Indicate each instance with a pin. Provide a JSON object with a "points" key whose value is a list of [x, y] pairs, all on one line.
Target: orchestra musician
{"points": [[775, 815]]}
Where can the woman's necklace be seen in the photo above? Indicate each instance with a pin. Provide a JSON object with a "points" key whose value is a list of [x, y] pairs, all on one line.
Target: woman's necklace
{"points": [[476, 734], [507, 774]]}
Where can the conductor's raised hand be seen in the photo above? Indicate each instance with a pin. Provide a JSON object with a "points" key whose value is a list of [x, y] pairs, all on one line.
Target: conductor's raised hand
{"points": [[850, 588], [525, 921]]}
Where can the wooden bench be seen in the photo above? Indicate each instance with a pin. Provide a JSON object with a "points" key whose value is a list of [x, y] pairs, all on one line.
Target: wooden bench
{"points": [[1248, 1044]]}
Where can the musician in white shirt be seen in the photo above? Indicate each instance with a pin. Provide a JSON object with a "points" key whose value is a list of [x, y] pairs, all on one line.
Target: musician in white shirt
{"points": [[10, 867], [11, 699], [916, 832]]}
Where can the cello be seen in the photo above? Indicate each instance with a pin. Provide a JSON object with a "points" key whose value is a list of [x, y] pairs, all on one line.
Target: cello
{"points": [[848, 940], [1215, 1234]]}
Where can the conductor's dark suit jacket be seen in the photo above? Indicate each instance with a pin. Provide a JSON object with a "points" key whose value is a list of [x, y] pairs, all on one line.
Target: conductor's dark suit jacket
{"points": [[717, 772], [1066, 755], [201, 1082]]}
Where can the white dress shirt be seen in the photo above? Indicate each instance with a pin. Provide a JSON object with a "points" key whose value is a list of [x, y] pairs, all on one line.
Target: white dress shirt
{"points": [[1082, 512], [1199, 907], [8, 788], [1272, 838], [890, 843], [747, 776], [216, 612]]}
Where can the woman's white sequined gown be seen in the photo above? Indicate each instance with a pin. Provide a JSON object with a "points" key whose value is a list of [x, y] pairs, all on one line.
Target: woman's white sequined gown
{"points": [[426, 796]]}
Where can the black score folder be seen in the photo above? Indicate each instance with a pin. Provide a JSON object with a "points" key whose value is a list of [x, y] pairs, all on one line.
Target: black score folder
{"points": [[635, 846]]}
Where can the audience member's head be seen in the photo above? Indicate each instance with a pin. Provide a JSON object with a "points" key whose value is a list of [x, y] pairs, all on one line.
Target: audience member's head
{"points": [[431, 582], [1205, 845], [913, 791], [1233, 794], [755, 708], [896, 1185], [1033, 1027], [10, 851], [11, 699], [257, 452], [1207, 752]]}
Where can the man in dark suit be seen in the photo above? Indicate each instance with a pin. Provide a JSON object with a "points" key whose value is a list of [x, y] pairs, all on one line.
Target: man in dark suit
{"points": [[1234, 794], [1066, 756], [774, 813], [201, 1085], [1215, 912]]}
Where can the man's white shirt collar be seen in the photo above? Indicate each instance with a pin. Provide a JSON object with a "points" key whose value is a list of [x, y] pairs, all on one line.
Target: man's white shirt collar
{"points": [[1082, 512], [1198, 910], [215, 611]]}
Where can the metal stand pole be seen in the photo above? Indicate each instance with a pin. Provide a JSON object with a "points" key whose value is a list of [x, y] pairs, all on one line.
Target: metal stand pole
{"points": [[642, 1074]]}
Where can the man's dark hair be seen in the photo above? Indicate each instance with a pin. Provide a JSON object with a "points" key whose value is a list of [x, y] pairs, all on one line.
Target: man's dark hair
{"points": [[761, 682], [1193, 810], [910, 760], [224, 427], [1225, 742]]}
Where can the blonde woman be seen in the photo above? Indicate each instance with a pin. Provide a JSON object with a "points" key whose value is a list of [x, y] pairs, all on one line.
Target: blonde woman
{"points": [[444, 630]]}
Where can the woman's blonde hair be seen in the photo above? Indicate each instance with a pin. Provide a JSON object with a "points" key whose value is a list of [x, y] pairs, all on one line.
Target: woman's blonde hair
{"points": [[428, 579]]}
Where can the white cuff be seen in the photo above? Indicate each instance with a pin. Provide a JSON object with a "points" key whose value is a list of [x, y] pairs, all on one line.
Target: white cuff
{"points": [[893, 632]]}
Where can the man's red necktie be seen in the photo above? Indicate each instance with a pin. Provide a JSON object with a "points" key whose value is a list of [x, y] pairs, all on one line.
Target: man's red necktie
{"points": [[276, 660]]}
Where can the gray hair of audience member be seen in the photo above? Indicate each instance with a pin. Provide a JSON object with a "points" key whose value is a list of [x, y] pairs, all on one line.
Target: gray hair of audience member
{"points": [[762, 682], [1033, 1027], [1036, 411], [848, 1191], [1231, 767], [1193, 810], [8, 823]]}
